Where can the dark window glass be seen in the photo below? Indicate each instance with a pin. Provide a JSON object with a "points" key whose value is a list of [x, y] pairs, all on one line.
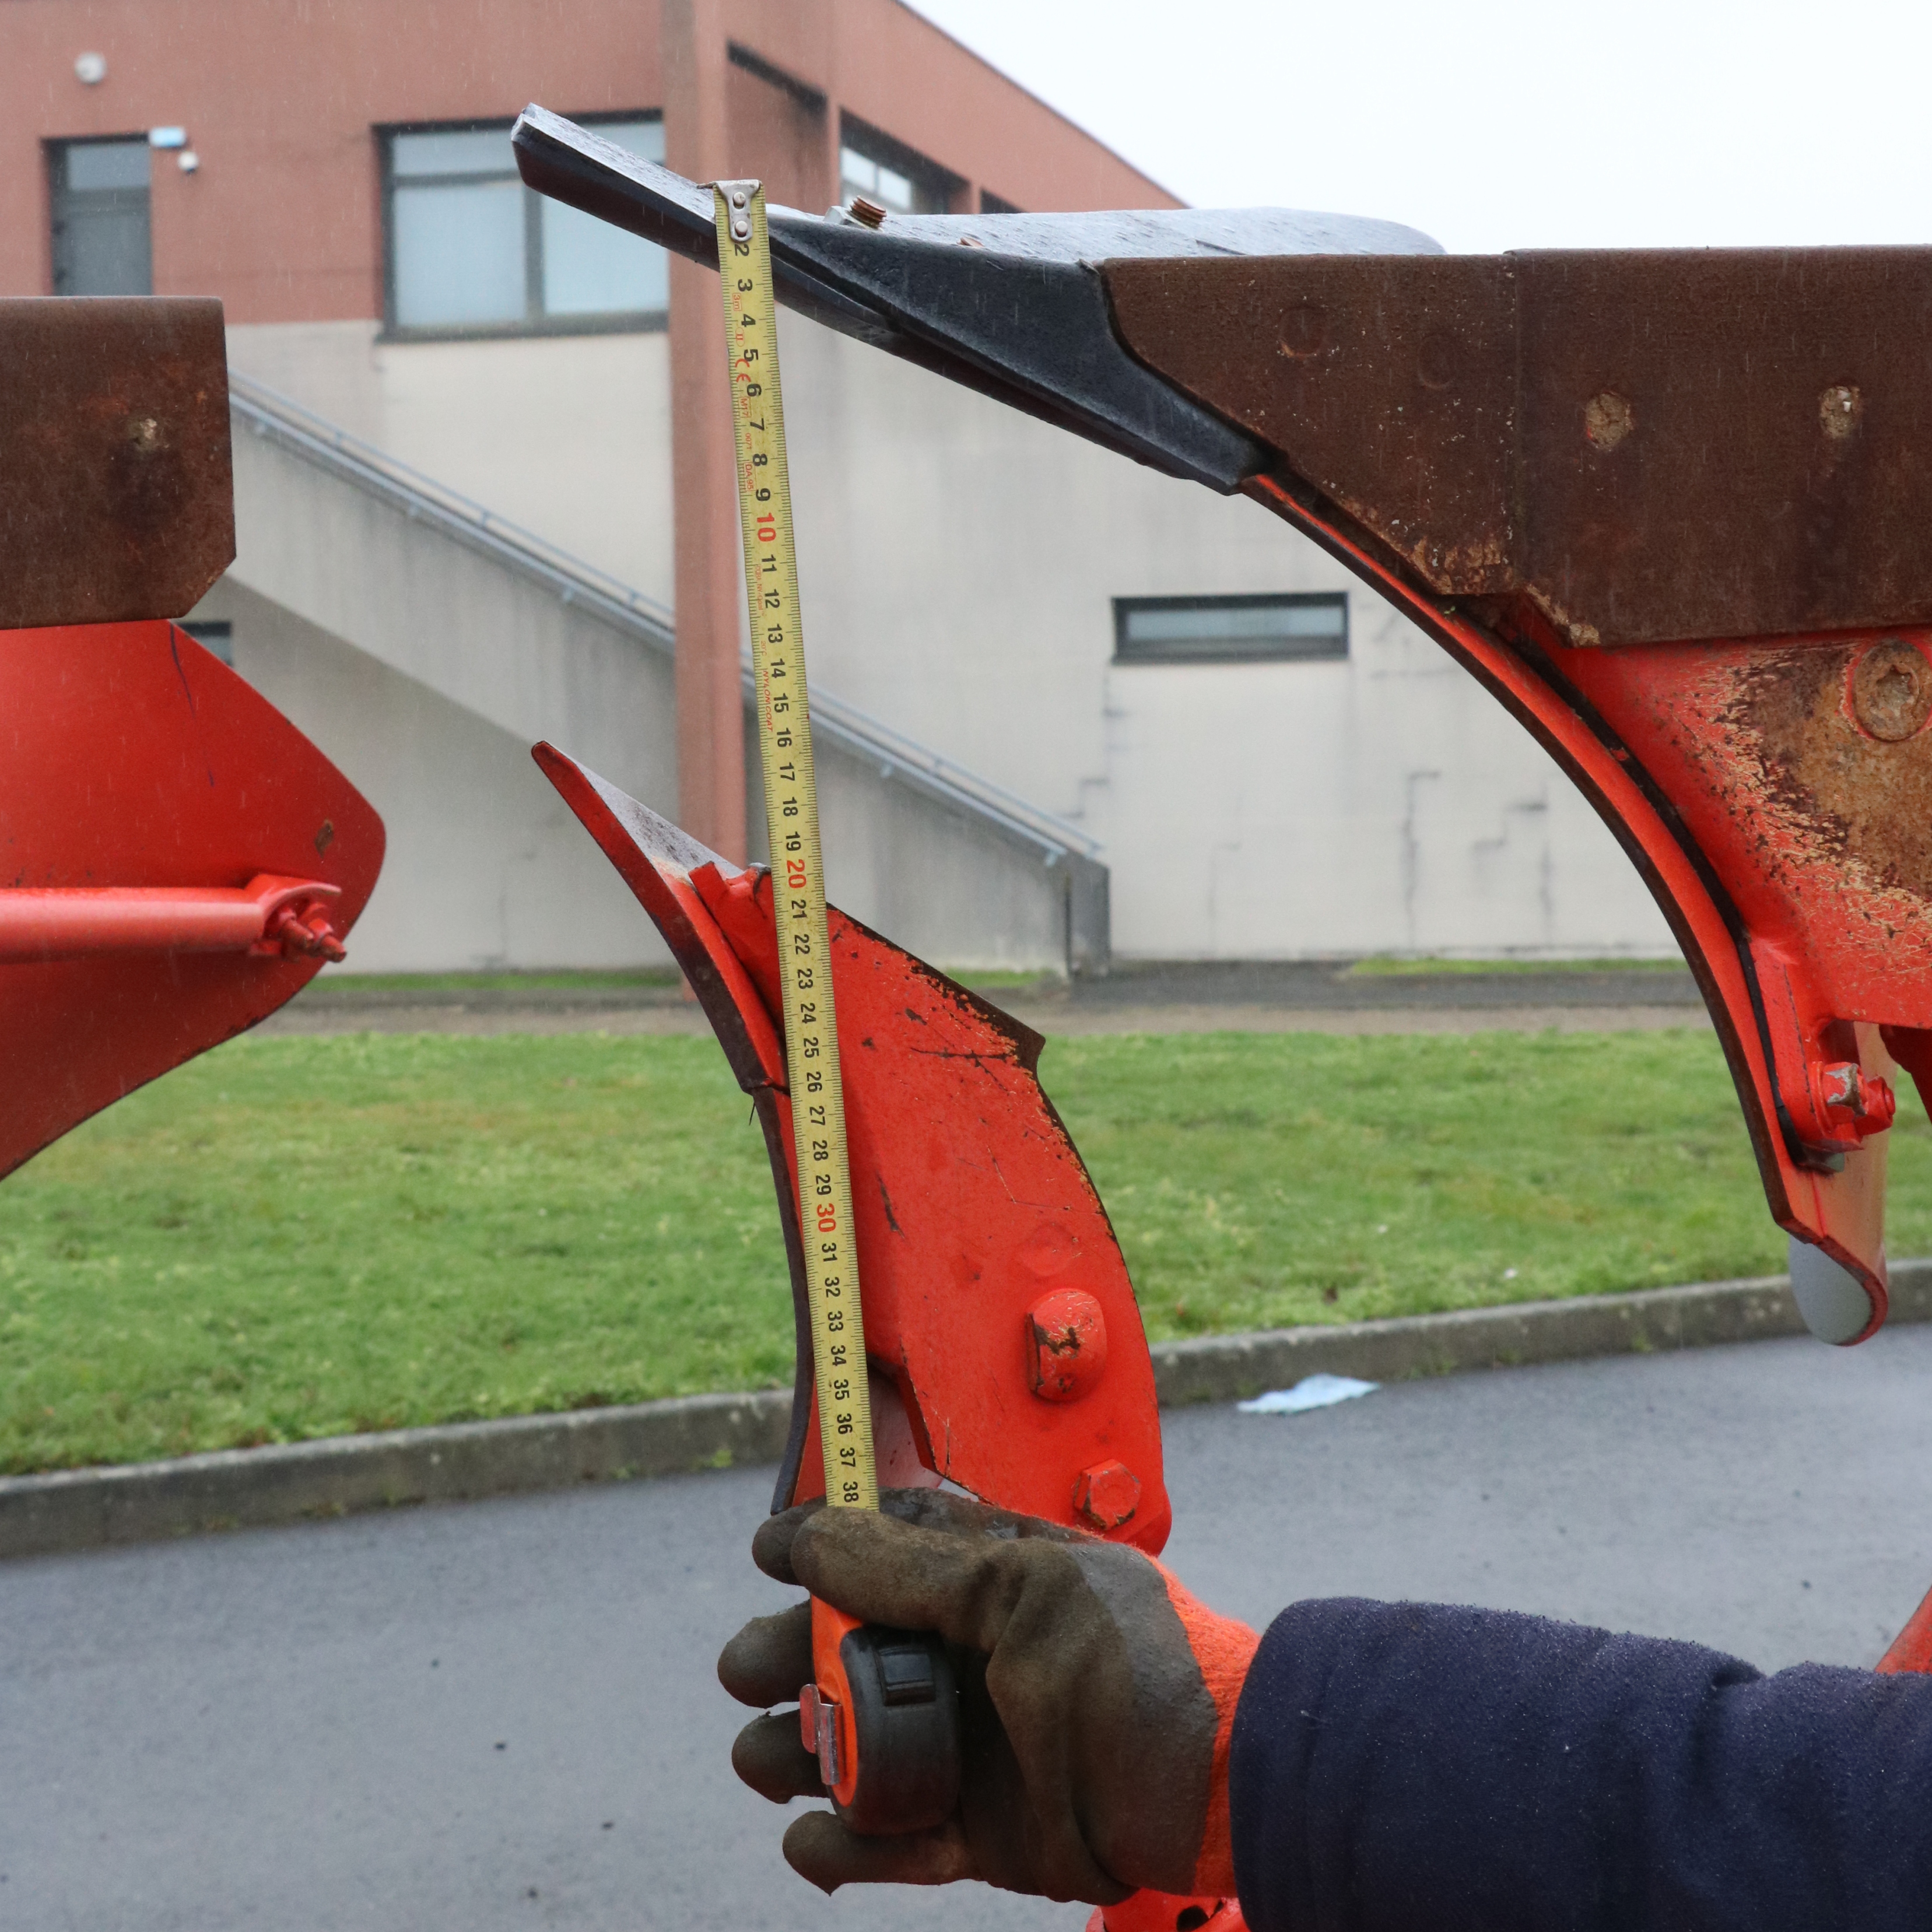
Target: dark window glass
{"points": [[1230, 630], [102, 245], [991, 203], [889, 174], [471, 249]]}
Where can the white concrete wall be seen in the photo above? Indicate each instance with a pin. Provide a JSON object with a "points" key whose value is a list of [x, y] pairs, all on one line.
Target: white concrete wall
{"points": [[568, 435], [958, 563], [487, 869], [424, 666]]}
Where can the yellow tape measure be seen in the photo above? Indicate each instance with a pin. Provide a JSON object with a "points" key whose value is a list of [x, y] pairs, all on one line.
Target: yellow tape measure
{"points": [[798, 879]]}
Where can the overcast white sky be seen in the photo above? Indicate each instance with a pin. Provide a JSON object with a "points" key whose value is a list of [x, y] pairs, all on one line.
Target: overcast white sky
{"points": [[1503, 124]]}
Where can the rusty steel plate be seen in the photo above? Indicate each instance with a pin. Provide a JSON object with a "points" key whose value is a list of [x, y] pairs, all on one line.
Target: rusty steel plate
{"points": [[1648, 445], [117, 494], [1387, 382]]}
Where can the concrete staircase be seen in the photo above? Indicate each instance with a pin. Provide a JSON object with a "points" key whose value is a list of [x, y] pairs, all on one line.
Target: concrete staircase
{"points": [[355, 571]]}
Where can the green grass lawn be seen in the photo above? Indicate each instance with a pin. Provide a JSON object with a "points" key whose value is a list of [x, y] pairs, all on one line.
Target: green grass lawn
{"points": [[574, 980], [298, 1237]]}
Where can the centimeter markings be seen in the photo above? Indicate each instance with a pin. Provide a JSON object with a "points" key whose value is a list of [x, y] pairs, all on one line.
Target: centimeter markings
{"points": [[798, 879]]}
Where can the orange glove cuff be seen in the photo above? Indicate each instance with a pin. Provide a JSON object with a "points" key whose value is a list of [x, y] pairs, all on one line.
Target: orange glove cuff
{"points": [[1223, 1647]]}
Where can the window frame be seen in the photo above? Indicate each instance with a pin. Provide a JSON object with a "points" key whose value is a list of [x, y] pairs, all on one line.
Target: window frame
{"points": [[882, 150], [1256, 653], [534, 322], [56, 149]]}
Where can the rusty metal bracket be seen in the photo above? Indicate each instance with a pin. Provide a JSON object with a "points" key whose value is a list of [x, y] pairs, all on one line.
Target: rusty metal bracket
{"points": [[117, 495], [1662, 506], [176, 860], [1646, 446]]}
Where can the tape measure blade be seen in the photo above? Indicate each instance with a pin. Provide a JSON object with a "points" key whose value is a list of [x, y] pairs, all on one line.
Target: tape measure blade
{"points": [[817, 1094]]}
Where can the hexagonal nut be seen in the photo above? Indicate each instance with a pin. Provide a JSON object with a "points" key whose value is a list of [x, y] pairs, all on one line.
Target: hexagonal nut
{"points": [[1067, 1345], [1107, 1495], [1843, 1087]]}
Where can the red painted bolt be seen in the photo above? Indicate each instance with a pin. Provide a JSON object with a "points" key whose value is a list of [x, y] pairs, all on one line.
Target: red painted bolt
{"points": [[1843, 1087], [303, 932], [1107, 1494], [1067, 1345]]}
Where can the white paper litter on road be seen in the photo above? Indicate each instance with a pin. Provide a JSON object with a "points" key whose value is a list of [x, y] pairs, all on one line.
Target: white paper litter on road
{"points": [[1311, 1392]]}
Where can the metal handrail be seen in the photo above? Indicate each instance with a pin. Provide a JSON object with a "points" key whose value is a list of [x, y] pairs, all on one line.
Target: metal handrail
{"points": [[279, 419]]}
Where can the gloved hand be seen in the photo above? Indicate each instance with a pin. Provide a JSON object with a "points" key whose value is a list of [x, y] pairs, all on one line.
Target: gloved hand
{"points": [[1096, 1698]]}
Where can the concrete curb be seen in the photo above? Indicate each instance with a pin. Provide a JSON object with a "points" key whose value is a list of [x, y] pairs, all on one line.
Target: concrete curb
{"points": [[459, 1462], [1221, 1368], [233, 1488]]}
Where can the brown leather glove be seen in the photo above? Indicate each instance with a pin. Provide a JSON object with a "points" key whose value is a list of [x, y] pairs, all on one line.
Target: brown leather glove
{"points": [[1096, 1698]]}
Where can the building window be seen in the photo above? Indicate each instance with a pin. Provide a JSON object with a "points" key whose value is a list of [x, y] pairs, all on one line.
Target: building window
{"points": [[889, 174], [102, 244], [1230, 630], [991, 203], [472, 251]]}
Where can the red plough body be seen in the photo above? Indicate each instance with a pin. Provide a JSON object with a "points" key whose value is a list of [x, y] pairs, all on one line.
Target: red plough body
{"points": [[176, 862], [998, 1305], [1006, 1347]]}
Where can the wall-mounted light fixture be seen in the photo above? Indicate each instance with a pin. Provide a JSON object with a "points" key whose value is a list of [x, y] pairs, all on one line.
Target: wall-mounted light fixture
{"points": [[90, 69], [167, 137], [189, 161]]}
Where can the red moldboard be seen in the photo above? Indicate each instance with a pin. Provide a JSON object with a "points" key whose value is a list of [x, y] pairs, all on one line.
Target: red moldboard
{"points": [[134, 758], [969, 1198]]}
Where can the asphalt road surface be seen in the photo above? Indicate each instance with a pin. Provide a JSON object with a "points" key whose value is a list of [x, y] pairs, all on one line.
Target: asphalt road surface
{"points": [[503, 1714]]}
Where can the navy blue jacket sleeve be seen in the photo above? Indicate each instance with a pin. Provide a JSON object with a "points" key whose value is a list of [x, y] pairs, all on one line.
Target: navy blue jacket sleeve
{"points": [[1410, 1767]]}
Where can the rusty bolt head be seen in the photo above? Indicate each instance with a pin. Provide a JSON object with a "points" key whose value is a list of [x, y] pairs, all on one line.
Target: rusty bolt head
{"points": [[1067, 1345], [1839, 409], [1892, 691], [1436, 360], [1304, 329], [1107, 1494], [1608, 418]]}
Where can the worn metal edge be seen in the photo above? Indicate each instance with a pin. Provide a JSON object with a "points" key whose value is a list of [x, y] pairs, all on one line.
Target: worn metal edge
{"points": [[234, 1489]]}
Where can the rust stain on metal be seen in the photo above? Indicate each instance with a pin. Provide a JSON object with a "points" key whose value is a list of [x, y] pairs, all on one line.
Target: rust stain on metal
{"points": [[1862, 797], [1766, 409], [1892, 691], [1386, 381], [1608, 418], [1839, 410], [117, 491]]}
